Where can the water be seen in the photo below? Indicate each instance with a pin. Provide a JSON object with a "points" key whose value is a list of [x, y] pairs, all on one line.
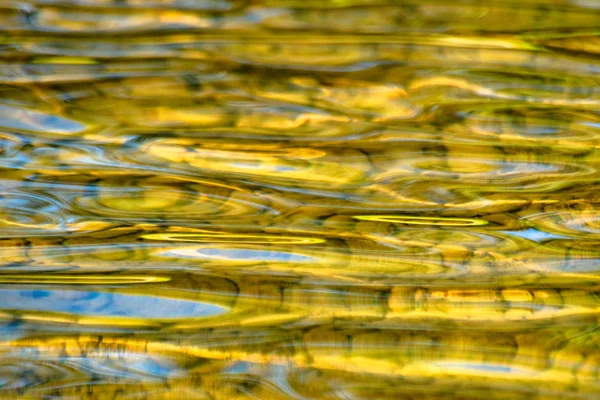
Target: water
{"points": [[351, 199]]}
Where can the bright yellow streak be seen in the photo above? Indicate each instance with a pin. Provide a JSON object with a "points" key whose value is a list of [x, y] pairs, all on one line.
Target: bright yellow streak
{"points": [[412, 220], [231, 238]]}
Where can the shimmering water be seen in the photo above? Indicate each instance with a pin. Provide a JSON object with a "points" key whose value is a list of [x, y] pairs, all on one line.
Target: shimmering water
{"points": [[259, 199]]}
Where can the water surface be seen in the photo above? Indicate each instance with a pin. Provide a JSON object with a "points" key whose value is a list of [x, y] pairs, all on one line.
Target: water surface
{"points": [[352, 199]]}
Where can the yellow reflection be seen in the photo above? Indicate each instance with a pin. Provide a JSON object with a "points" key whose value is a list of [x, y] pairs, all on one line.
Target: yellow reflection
{"points": [[413, 220], [81, 279], [231, 238], [65, 60]]}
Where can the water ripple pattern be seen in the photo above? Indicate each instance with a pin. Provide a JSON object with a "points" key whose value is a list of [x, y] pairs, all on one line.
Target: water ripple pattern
{"points": [[260, 199]]}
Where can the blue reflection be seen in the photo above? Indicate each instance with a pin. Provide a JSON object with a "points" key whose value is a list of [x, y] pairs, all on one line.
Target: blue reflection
{"points": [[535, 235], [105, 304], [24, 119], [238, 255], [480, 367]]}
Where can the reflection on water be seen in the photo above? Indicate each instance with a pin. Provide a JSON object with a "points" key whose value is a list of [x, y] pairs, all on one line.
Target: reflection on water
{"points": [[110, 304], [352, 199]]}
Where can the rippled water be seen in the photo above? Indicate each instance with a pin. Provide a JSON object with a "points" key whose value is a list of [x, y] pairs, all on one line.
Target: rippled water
{"points": [[259, 199]]}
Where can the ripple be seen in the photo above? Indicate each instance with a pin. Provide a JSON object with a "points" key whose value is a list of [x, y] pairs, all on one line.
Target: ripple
{"points": [[301, 168], [335, 264], [461, 171], [155, 203], [22, 214], [495, 306], [23, 73], [47, 156], [460, 241], [220, 117], [16, 375], [539, 125], [135, 197], [10, 145], [568, 223], [53, 372]]}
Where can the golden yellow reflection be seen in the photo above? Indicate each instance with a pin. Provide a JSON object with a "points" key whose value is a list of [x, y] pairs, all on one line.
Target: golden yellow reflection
{"points": [[299, 199], [416, 220]]}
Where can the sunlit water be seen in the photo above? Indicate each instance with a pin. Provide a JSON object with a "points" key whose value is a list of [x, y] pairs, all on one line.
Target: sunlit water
{"points": [[260, 199]]}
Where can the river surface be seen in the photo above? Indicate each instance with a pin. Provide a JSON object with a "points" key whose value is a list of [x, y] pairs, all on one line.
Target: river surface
{"points": [[261, 199]]}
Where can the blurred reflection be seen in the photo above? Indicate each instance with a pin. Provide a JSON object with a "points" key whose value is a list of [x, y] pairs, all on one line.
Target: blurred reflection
{"points": [[357, 199]]}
